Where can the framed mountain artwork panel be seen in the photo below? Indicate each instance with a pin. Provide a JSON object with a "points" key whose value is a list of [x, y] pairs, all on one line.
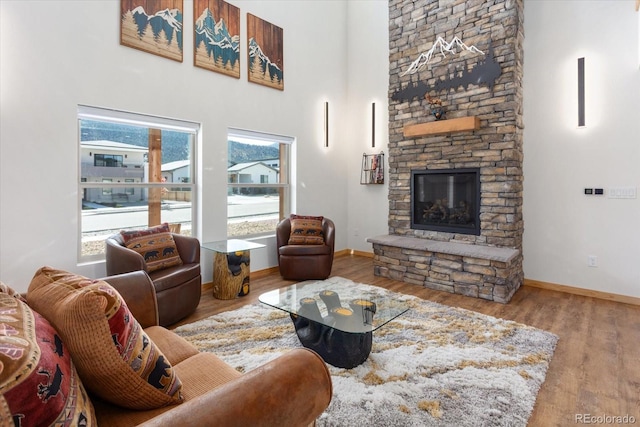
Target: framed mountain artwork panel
{"points": [[153, 26], [217, 36], [266, 62]]}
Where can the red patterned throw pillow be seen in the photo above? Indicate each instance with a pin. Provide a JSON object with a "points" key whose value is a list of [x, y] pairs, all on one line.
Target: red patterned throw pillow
{"points": [[39, 385], [115, 358], [306, 230], [155, 244]]}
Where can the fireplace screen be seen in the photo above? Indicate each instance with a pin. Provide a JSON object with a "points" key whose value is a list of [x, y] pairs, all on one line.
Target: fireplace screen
{"points": [[446, 200]]}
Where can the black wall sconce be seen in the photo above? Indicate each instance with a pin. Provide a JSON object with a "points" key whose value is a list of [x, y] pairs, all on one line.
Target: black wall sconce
{"points": [[326, 124], [581, 119], [373, 124]]}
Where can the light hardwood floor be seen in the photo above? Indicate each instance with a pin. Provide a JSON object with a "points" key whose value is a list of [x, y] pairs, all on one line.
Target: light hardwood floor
{"points": [[596, 366]]}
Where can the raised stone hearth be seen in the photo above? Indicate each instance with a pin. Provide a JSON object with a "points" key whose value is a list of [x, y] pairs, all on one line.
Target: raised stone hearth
{"points": [[473, 270], [485, 265]]}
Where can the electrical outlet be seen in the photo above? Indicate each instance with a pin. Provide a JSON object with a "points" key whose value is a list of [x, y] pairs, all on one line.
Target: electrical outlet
{"points": [[592, 261], [356, 232]]}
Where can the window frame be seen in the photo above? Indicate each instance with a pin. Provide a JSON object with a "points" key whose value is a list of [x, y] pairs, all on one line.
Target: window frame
{"points": [[85, 112]]}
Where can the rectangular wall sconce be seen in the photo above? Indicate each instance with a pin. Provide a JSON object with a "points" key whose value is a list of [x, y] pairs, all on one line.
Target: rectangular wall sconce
{"points": [[373, 124], [326, 124], [581, 119]]}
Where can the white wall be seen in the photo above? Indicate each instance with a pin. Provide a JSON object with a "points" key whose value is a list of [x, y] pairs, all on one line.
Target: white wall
{"points": [[562, 225], [368, 81], [56, 55]]}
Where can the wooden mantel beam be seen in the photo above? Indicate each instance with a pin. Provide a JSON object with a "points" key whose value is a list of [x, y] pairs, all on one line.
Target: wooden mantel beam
{"points": [[461, 124]]}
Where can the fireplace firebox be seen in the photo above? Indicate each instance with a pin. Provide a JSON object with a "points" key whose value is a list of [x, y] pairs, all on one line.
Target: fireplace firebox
{"points": [[446, 200]]}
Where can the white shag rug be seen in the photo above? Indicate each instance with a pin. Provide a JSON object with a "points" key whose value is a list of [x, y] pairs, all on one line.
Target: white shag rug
{"points": [[432, 366]]}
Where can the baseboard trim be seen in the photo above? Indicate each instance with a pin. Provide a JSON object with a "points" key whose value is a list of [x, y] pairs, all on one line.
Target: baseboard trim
{"points": [[361, 253], [342, 253], [582, 291], [264, 272]]}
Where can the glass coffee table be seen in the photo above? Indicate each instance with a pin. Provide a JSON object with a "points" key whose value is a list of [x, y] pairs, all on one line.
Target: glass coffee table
{"points": [[334, 319]]}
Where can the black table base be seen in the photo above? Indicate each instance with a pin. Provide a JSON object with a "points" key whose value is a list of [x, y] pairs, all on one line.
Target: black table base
{"points": [[340, 349]]}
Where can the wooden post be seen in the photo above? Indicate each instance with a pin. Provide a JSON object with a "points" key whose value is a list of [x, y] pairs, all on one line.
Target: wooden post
{"points": [[155, 175]]}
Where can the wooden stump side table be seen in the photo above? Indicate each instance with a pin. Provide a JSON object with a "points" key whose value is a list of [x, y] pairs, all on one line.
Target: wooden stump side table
{"points": [[231, 267]]}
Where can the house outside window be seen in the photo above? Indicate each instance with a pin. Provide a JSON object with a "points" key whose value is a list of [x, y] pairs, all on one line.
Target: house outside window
{"points": [[121, 182], [258, 176]]}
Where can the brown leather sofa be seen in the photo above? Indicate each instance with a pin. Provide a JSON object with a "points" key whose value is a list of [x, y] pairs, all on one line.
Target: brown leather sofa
{"points": [[178, 288], [292, 390], [305, 262]]}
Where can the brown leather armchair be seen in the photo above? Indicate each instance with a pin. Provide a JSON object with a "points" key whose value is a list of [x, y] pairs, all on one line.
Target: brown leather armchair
{"points": [[305, 262], [178, 288]]}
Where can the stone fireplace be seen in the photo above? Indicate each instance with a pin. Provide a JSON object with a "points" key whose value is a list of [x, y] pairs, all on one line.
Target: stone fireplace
{"points": [[454, 240]]}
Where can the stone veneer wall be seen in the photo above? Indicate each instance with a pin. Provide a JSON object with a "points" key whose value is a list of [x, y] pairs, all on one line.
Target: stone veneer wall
{"points": [[496, 148]]}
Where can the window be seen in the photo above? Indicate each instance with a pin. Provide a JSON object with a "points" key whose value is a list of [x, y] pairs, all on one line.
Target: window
{"points": [[123, 159], [259, 192], [108, 160], [106, 191]]}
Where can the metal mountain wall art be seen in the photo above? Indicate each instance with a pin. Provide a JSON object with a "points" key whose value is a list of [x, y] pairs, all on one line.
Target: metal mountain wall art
{"points": [[484, 73], [444, 48]]}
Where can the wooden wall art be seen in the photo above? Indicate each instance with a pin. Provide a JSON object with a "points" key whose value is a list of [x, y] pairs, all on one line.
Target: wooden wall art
{"points": [[265, 50], [153, 26], [217, 36]]}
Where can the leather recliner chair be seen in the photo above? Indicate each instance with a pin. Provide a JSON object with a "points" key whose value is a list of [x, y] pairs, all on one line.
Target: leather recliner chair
{"points": [[178, 288], [305, 262]]}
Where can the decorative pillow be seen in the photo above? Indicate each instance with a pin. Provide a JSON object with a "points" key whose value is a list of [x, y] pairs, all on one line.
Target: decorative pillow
{"points": [[6, 289], [155, 244], [115, 358], [306, 230], [39, 384]]}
